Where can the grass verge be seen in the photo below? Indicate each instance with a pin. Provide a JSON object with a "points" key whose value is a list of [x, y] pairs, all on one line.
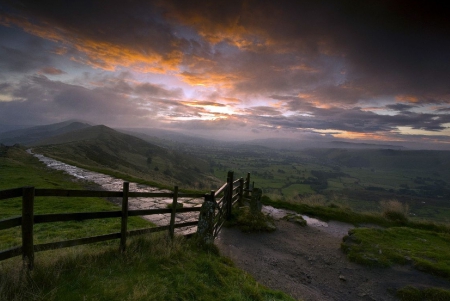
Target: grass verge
{"points": [[410, 293], [153, 268], [345, 214], [427, 251]]}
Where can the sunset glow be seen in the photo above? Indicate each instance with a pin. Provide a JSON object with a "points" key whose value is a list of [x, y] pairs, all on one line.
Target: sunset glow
{"points": [[269, 69]]}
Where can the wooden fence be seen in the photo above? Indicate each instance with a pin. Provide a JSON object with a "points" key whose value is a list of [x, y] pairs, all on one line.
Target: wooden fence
{"points": [[228, 194]]}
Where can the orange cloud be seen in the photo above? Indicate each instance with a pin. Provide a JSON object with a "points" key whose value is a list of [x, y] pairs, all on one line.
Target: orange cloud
{"points": [[51, 71], [223, 27], [232, 100], [364, 136], [209, 79], [99, 54], [407, 98]]}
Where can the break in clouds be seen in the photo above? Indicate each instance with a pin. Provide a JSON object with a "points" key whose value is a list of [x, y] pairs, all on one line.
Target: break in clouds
{"points": [[370, 70]]}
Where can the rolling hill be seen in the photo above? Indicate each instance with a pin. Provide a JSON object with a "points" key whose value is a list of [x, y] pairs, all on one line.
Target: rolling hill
{"points": [[30, 136], [105, 149]]}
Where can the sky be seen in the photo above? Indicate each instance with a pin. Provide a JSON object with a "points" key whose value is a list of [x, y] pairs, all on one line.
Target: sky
{"points": [[362, 71]]}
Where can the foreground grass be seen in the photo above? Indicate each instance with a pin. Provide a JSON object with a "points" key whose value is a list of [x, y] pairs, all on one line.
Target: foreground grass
{"points": [[410, 293], [153, 268], [428, 251]]}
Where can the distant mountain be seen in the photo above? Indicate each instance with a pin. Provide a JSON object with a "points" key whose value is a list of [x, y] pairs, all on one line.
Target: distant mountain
{"points": [[383, 159], [32, 135], [104, 148], [298, 144], [344, 144]]}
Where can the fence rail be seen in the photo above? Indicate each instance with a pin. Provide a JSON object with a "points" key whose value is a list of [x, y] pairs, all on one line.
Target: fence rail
{"points": [[228, 194]]}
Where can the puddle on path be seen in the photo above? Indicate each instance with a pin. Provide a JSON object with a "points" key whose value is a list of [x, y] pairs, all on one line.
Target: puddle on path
{"points": [[334, 228], [113, 184]]}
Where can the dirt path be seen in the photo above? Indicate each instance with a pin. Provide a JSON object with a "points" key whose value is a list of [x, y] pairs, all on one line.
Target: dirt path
{"points": [[307, 263]]}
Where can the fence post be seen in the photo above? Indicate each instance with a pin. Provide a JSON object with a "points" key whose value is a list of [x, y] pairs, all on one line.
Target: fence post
{"points": [[124, 220], [241, 191], [205, 228], [230, 194], [247, 186], [174, 211], [27, 226]]}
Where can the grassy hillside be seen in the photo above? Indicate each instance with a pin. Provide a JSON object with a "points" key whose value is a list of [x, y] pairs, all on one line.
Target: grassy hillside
{"points": [[153, 268], [104, 149]]}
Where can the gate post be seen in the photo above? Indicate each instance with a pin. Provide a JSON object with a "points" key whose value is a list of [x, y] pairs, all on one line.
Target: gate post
{"points": [[27, 226], [174, 211], [230, 194], [124, 218], [247, 186], [205, 228], [255, 201], [241, 191]]}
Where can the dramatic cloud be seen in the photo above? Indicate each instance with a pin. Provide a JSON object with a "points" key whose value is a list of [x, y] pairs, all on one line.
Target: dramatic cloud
{"points": [[348, 69]]}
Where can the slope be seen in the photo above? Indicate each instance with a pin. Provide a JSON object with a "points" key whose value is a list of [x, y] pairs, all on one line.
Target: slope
{"points": [[105, 149]]}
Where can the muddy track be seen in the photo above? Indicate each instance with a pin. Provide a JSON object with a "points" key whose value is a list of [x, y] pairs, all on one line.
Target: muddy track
{"points": [[308, 264]]}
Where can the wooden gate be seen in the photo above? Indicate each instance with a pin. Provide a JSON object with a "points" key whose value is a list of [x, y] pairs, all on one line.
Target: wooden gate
{"points": [[231, 192]]}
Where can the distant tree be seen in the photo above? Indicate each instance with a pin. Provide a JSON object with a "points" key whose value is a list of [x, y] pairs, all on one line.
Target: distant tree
{"points": [[149, 160], [156, 168]]}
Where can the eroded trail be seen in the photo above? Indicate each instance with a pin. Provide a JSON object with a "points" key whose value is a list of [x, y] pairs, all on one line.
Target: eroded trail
{"points": [[307, 263]]}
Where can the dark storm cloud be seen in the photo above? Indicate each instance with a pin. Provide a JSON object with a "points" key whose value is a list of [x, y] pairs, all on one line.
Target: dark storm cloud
{"points": [[400, 107], [388, 47]]}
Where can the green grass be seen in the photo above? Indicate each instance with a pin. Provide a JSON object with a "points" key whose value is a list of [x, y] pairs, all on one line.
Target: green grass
{"points": [[153, 268], [247, 221], [428, 251], [330, 211], [410, 293], [296, 189], [327, 211]]}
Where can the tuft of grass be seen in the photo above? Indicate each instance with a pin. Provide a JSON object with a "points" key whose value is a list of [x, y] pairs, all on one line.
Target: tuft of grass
{"points": [[410, 293], [179, 205], [427, 251], [153, 268], [248, 221], [296, 218], [395, 211]]}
